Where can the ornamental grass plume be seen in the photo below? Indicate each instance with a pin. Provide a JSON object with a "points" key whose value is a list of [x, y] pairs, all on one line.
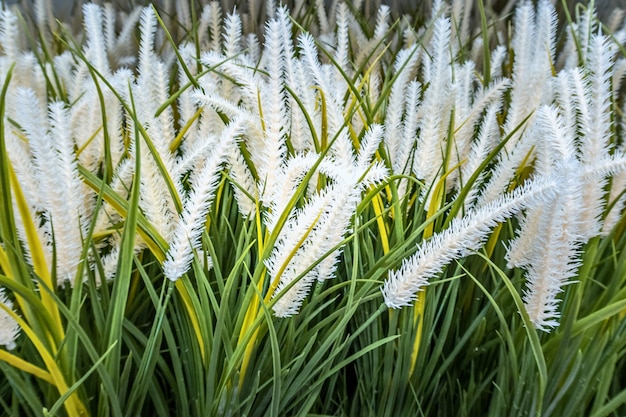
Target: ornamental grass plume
{"points": [[190, 225], [309, 244], [551, 261], [462, 236], [209, 210]]}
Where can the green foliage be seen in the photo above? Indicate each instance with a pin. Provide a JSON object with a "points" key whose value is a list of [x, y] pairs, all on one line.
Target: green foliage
{"points": [[210, 344]]}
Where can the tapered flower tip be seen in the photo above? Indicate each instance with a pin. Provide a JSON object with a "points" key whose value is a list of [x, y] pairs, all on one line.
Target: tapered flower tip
{"points": [[399, 291]]}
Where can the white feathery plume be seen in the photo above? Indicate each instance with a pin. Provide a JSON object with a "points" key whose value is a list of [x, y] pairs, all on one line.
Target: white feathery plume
{"points": [[161, 129], [568, 55], [463, 236], [343, 41], [460, 14], [33, 77], [615, 21], [436, 105], [324, 26], [382, 22], [331, 229], [596, 130], [9, 35], [301, 137], [279, 265], [487, 138], [404, 65], [96, 48], [186, 105], [109, 262], [298, 130], [209, 123], [78, 80], [565, 101], [357, 36], [272, 151], [610, 166], [9, 329], [498, 56], [342, 147], [123, 50], [464, 88], [523, 44], [479, 101], [33, 121], [556, 253], [464, 117], [326, 218], [477, 49], [368, 146], [437, 69], [147, 28], [193, 156], [115, 115], [154, 196], [20, 157], [308, 54], [408, 134], [596, 122], [288, 179], [249, 80], [243, 183], [534, 53], [86, 125], [219, 103], [545, 27], [64, 67], [60, 190], [548, 241], [108, 19], [67, 212], [188, 229], [232, 35], [120, 184], [557, 146], [618, 74], [270, 9], [215, 26], [522, 250], [108, 216], [335, 222], [253, 48], [505, 168], [20, 105], [582, 30], [149, 91], [203, 25], [43, 16]]}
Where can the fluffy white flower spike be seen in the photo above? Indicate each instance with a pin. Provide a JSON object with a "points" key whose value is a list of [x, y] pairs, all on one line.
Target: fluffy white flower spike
{"points": [[549, 240], [463, 236], [309, 239], [189, 227]]}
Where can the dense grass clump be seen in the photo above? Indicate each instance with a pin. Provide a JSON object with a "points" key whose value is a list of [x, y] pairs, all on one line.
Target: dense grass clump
{"points": [[325, 209]]}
